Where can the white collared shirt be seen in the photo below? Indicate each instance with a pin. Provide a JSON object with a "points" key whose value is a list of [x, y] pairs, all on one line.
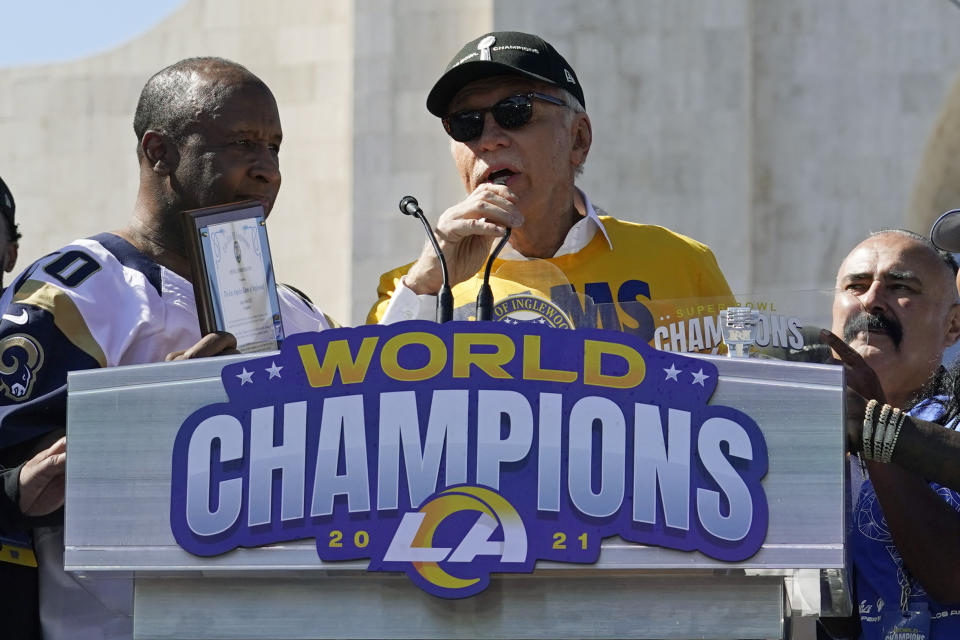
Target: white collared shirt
{"points": [[407, 305]]}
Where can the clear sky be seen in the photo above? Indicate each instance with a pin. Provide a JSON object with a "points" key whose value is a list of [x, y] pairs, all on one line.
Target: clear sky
{"points": [[41, 31]]}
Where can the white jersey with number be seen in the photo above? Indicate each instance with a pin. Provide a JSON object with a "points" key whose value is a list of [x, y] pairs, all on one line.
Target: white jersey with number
{"points": [[98, 302]]}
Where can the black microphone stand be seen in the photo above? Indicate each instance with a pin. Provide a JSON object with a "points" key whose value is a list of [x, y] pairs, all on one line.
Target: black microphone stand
{"points": [[485, 295], [410, 207]]}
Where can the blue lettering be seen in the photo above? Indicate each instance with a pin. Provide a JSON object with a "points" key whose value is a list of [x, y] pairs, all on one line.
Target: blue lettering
{"points": [[627, 297]]}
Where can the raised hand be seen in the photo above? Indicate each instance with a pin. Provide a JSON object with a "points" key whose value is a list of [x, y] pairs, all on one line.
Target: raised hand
{"points": [[863, 385], [466, 231], [42, 480]]}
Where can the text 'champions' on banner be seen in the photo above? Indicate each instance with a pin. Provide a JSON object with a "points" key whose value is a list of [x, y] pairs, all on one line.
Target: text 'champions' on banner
{"points": [[454, 451]]}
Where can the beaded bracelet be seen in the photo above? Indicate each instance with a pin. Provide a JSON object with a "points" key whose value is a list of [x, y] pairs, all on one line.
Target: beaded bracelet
{"points": [[881, 429], [890, 439], [884, 444], [868, 428]]}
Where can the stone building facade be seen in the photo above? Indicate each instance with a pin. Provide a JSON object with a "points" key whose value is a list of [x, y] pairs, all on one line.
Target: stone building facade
{"points": [[778, 132]]}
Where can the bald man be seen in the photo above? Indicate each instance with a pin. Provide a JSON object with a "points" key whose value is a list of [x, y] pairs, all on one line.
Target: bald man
{"points": [[208, 133], [897, 314]]}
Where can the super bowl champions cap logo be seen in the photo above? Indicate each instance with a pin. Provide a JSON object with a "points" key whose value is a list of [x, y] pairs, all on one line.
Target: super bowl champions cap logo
{"points": [[484, 47]]}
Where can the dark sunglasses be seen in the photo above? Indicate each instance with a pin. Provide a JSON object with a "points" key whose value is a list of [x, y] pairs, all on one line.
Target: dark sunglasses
{"points": [[509, 113]]}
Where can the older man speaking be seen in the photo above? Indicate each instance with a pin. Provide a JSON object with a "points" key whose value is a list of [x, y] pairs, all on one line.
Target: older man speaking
{"points": [[514, 110], [900, 315]]}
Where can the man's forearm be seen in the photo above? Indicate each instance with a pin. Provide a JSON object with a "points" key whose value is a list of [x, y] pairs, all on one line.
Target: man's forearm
{"points": [[930, 451], [925, 529], [11, 519]]}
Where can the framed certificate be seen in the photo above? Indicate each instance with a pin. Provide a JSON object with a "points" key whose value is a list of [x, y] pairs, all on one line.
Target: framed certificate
{"points": [[233, 278]]}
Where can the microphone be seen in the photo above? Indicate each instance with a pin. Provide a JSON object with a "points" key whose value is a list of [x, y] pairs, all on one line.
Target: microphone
{"points": [[410, 207], [485, 295]]}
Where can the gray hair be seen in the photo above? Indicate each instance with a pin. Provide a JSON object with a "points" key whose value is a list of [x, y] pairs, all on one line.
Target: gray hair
{"points": [[575, 107]]}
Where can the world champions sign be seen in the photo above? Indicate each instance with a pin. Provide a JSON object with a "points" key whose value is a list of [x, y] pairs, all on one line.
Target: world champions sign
{"points": [[458, 450]]}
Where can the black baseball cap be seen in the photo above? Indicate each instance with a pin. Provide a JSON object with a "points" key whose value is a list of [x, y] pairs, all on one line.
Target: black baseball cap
{"points": [[502, 53], [945, 233], [7, 205]]}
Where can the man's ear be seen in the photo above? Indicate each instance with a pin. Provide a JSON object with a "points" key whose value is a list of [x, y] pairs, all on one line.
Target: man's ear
{"points": [[10, 256], [953, 326], [582, 138], [159, 152]]}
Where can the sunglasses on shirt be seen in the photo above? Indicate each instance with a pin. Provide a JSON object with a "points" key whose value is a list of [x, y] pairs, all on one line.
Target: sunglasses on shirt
{"points": [[509, 113]]}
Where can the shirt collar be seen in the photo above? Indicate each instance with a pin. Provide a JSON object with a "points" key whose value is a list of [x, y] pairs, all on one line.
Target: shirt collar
{"points": [[578, 237]]}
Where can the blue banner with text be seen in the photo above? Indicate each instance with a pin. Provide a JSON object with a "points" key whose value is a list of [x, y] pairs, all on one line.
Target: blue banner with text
{"points": [[458, 450]]}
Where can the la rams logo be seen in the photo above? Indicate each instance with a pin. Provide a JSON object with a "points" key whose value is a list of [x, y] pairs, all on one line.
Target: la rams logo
{"points": [[20, 359], [417, 541], [527, 308]]}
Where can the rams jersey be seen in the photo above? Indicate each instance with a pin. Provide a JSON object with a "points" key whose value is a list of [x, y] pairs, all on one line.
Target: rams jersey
{"points": [[98, 302], [617, 289]]}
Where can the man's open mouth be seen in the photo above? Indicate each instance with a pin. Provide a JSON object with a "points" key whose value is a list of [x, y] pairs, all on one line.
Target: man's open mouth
{"points": [[500, 176]]}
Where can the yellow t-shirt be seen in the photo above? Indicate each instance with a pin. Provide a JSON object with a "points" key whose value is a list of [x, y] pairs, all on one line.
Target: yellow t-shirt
{"points": [[633, 288]]}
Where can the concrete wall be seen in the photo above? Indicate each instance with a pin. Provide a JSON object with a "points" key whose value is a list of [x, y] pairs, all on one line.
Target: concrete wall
{"points": [[399, 148], [68, 148], [937, 188], [846, 95], [668, 90], [777, 131]]}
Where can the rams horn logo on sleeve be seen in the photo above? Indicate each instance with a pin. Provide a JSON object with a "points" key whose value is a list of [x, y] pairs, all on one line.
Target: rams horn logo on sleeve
{"points": [[20, 358]]}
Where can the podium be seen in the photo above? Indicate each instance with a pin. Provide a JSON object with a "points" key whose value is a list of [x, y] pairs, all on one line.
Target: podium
{"points": [[122, 423]]}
